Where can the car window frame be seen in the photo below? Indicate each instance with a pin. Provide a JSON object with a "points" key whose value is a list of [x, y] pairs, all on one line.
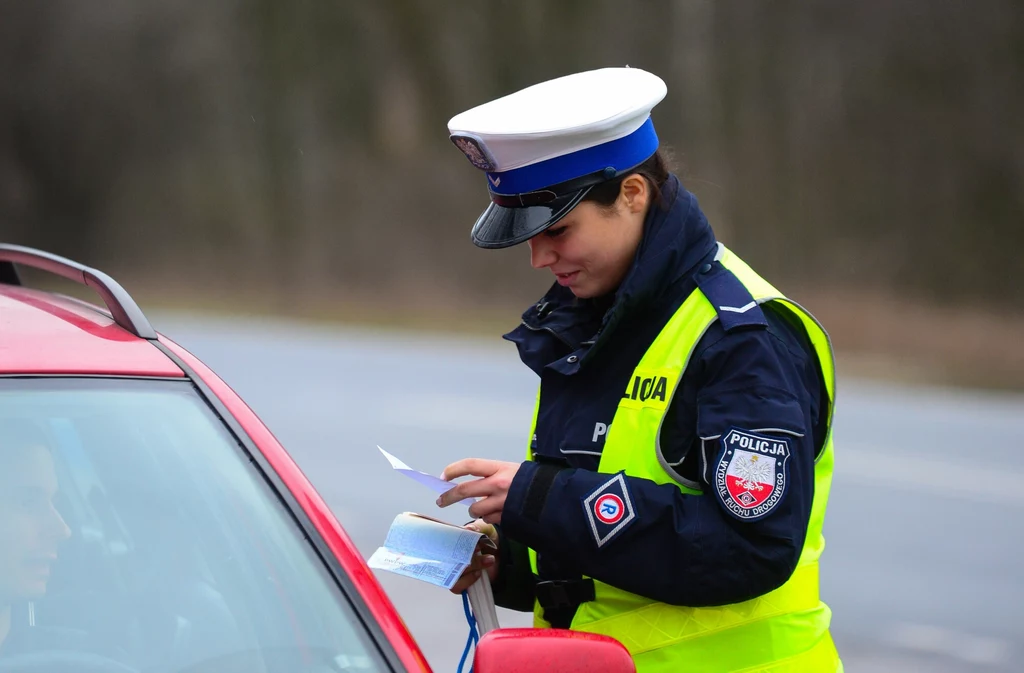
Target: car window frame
{"points": [[251, 451]]}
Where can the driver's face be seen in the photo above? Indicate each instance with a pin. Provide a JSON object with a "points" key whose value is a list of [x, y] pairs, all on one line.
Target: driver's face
{"points": [[30, 526]]}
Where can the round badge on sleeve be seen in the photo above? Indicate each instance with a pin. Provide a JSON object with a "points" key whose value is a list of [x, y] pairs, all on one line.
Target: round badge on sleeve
{"points": [[609, 509]]}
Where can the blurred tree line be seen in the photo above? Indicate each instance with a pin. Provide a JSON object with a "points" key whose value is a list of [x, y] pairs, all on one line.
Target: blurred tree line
{"points": [[302, 145]]}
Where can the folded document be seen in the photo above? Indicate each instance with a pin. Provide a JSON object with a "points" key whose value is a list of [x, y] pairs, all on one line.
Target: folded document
{"points": [[426, 549], [435, 484], [436, 552]]}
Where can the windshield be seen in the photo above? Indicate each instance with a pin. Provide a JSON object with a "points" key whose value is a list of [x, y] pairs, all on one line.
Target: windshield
{"points": [[135, 530]]}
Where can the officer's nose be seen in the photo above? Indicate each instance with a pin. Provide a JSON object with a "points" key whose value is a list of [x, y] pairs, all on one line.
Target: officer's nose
{"points": [[542, 252]]}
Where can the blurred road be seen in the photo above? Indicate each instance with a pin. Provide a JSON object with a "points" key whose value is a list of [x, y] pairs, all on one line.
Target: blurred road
{"points": [[923, 565]]}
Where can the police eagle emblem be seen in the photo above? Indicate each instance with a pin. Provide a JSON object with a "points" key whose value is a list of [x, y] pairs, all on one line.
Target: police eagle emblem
{"points": [[750, 473], [474, 151]]}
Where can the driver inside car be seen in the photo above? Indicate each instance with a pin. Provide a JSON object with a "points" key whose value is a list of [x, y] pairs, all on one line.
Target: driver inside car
{"points": [[31, 530]]}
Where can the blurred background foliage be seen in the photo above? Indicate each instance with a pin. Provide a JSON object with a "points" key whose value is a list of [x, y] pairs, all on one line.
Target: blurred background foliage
{"points": [[867, 156]]}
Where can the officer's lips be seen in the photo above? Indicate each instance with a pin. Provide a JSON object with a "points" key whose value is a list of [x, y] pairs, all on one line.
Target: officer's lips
{"points": [[566, 278]]}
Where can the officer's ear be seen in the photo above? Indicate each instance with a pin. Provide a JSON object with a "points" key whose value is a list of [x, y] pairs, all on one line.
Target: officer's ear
{"points": [[635, 193]]}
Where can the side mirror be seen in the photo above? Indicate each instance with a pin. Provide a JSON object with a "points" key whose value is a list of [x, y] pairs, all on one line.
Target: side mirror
{"points": [[542, 650]]}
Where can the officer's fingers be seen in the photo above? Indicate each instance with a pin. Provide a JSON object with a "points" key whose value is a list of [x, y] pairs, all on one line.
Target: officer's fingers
{"points": [[488, 507], [484, 527], [476, 467], [467, 580], [476, 488], [473, 572], [490, 564], [479, 561], [482, 508]]}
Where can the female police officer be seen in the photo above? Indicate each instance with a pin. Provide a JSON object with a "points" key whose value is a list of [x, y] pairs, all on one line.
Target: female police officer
{"points": [[681, 455]]}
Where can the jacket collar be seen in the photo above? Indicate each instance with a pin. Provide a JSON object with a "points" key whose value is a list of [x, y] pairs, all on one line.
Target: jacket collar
{"points": [[677, 238]]}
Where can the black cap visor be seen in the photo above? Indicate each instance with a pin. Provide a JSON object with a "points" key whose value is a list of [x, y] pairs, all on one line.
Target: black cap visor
{"points": [[514, 218], [504, 224]]}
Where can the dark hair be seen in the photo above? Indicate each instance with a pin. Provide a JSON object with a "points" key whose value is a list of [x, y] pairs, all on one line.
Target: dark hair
{"points": [[655, 170]]}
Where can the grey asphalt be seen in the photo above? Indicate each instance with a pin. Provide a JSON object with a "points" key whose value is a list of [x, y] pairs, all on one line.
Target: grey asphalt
{"points": [[922, 567]]}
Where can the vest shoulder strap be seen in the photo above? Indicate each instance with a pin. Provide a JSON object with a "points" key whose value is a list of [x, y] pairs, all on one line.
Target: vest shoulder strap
{"points": [[735, 306]]}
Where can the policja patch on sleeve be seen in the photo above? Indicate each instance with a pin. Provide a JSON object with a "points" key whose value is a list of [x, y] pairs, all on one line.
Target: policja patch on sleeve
{"points": [[750, 473], [609, 509]]}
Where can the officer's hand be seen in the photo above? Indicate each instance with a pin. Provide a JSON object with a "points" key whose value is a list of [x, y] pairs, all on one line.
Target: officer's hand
{"points": [[493, 488], [483, 559]]}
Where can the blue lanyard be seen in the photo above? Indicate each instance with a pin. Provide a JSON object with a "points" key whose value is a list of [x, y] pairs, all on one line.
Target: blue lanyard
{"points": [[474, 635]]}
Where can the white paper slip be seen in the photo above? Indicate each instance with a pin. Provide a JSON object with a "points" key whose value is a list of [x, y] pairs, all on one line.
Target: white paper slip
{"points": [[433, 483], [426, 549]]}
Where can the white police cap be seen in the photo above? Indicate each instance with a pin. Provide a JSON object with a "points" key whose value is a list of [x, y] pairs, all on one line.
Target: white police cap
{"points": [[544, 147]]}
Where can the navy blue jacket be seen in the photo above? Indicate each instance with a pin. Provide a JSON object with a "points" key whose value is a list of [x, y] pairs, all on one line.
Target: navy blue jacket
{"points": [[754, 371]]}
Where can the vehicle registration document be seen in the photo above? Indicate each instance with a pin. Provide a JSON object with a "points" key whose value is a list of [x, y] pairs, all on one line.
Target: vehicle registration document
{"points": [[427, 549]]}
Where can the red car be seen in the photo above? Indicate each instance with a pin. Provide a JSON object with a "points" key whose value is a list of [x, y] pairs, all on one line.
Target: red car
{"points": [[150, 522]]}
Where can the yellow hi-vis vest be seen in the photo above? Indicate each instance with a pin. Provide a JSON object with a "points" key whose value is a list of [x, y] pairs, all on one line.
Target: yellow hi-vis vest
{"points": [[786, 630]]}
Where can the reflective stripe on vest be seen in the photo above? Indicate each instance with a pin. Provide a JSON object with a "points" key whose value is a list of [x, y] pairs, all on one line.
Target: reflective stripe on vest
{"points": [[784, 630]]}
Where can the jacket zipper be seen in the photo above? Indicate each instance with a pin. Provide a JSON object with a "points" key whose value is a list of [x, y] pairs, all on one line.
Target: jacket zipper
{"points": [[551, 332]]}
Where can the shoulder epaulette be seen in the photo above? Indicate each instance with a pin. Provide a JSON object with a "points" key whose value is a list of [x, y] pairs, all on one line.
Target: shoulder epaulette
{"points": [[733, 302]]}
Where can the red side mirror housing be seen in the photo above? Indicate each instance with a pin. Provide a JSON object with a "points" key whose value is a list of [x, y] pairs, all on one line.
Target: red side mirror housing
{"points": [[542, 650]]}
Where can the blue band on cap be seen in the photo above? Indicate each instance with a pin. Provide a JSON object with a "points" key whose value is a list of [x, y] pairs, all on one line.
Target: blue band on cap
{"points": [[621, 154]]}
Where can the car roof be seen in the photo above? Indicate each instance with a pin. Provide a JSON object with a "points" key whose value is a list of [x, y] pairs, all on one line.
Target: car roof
{"points": [[46, 333]]}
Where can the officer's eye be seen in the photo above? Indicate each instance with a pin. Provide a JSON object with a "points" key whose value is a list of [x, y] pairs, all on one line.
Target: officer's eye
{"points": [[555, 233]]}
